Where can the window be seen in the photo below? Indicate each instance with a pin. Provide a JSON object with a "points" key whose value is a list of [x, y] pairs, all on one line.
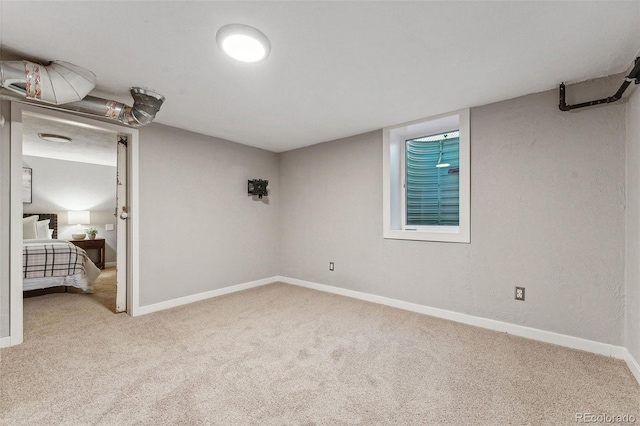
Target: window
{"points": [[431, 181], [426, 179]]}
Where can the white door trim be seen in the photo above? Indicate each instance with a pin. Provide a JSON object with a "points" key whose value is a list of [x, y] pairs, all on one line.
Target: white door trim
{"points": [[122, 225], [133, 240], [15, 233], [15, 303]]}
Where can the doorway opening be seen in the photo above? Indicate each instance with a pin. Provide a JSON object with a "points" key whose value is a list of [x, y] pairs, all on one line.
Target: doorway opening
{"points": [[102, 148]]}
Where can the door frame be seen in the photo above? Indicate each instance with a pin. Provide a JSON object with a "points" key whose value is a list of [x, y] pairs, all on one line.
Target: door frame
{"points": [[16, 329], [122, 225]]}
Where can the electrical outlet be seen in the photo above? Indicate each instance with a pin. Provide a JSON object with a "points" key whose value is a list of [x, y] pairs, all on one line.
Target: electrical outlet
{"points": [[331, 266], [520, 293]]}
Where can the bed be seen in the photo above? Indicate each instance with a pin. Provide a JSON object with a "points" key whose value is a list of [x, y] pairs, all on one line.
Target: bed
{"points": [[49, 262]]}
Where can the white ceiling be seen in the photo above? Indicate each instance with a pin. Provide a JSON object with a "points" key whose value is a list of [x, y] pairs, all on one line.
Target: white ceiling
{"points": [[336, 68], [88, 144]]}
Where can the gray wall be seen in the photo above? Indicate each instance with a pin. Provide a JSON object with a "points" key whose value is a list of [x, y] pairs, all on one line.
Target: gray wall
{"points": [[547, 213], [5, 164], [59, 186], [632, 294], [199, 230]]}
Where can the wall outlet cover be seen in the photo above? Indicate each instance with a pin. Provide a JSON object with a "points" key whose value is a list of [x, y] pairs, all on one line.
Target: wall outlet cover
{"points": [[519, 295]]}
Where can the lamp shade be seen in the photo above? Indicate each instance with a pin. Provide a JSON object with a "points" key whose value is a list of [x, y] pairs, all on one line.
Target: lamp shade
{"points": [[79, 217]]}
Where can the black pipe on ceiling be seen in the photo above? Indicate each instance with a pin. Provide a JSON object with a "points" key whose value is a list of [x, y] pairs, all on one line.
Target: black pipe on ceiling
{"points": [[634, 76]]}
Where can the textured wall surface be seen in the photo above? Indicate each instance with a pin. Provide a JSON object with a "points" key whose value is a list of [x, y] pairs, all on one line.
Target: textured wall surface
{"points": [[547, 213], [199, 231], [59, 186], [632, 294]]}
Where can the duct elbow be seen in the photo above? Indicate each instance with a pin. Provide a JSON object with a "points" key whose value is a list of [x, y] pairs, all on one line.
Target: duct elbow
{"points": [[146, 104]]}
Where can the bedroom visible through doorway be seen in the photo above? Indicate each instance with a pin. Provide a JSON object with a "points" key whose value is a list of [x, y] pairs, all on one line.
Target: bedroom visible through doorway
{"points": [[75, 194], [68, 179]]}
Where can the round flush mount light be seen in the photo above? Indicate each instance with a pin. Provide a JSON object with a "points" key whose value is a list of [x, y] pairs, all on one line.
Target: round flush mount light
{"points": [[243, 43], [50, 137]]}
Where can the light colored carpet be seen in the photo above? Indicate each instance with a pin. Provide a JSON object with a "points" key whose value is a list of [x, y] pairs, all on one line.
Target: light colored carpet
{"points": [[104, 290], [284, 355]]}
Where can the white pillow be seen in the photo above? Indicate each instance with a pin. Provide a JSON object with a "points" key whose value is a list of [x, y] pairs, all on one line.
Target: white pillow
{"points": [[29, 231], [42, 229]]}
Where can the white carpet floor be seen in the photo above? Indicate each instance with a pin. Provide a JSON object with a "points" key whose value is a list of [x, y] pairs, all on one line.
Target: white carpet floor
{"points": [[284, 355]]}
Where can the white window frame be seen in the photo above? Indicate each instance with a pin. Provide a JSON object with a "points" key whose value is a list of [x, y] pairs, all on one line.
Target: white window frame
{"points": [[393, 141]]}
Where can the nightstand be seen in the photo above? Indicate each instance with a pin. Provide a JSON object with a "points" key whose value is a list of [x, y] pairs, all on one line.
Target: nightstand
{"points": [[97, 244]]}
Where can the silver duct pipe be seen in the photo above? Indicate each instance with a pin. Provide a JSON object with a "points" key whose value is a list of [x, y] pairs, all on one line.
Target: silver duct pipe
{"points": [[66, 86], [146, 103], [56, 83]]}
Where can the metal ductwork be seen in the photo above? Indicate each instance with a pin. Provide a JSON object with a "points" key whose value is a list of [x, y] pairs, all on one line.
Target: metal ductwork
{"points": [[56, 83], [66, 86], [146, 103]]}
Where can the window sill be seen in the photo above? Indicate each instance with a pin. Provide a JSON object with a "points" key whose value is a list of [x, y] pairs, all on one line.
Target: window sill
{"points": [[442, 237]]}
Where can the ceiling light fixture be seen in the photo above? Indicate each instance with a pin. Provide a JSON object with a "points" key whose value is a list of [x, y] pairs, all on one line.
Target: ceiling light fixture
{"points": [[243, 43], [50, 137]]}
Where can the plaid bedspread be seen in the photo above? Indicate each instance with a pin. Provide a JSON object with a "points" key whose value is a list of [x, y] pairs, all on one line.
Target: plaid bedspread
{"points": [[52, 260]]}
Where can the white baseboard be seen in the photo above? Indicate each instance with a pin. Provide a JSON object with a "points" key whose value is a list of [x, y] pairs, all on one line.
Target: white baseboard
{"points": [[110, 264], [633, 364], [5, 342], [572, 342], [618, 352], [142, 310]]}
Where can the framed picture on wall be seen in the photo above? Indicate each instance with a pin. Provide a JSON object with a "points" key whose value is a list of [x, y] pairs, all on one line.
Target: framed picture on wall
{"points": [[26, 185]]}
